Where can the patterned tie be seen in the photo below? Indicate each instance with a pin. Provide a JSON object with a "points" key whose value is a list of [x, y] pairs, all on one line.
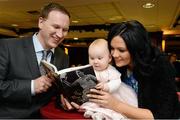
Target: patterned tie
{"points": [[44, 57]]}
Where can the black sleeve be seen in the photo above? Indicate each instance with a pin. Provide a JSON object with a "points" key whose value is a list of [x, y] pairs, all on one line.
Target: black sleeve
{"points": [[165, 101]]}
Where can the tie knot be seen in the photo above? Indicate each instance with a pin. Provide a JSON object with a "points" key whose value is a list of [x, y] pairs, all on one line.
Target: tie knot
{"points": [[45, 54]]}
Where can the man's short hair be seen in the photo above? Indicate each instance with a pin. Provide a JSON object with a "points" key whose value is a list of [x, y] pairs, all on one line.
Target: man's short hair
{"points": [[52, 6]]}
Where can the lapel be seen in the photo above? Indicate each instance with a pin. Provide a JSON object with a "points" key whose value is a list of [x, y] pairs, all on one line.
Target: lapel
{"points": [[31, 57]]}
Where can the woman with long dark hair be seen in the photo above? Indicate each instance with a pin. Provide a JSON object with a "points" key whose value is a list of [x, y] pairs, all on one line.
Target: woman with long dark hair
{"points": [[145, 69]]}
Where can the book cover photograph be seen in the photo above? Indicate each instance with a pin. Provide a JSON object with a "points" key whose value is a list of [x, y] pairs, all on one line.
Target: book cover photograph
{"points": [[74, 82]]}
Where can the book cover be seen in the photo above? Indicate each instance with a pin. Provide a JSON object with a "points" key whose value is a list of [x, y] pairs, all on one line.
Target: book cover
{"points": [[75, 82]]}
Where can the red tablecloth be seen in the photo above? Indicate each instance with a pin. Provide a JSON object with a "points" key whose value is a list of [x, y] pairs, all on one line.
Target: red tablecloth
{"points": [[51, 112]]}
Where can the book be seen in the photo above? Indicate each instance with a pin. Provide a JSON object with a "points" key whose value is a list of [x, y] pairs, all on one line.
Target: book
{"points": [[74, 82]]}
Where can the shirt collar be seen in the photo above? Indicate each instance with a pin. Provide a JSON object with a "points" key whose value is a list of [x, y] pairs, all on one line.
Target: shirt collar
{"points": [[37, 45]]}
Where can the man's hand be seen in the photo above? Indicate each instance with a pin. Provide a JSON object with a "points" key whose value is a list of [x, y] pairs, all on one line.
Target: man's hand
{"points": [[65, 103], [42, 84], [70, 106]]}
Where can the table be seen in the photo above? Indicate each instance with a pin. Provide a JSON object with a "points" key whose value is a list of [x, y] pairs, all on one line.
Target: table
{"points": [[51, 112]]}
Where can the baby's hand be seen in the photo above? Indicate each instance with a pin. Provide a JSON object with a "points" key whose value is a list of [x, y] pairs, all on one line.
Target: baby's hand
{"points": [[102, 86]]}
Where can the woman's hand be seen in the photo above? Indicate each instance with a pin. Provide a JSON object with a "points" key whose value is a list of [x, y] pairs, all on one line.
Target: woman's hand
{"points": [[106, 100], [102, 98]]}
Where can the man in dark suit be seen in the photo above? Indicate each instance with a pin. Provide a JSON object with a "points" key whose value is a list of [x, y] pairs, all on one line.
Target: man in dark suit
{"points": [[23, 90]]}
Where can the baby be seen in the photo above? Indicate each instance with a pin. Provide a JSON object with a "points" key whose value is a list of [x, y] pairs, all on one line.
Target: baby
{"points": [[109, 80]]}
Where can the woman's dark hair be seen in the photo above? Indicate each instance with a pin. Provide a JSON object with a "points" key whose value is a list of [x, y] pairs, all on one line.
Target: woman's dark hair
{"points": [[53, 6], [138, 44]]}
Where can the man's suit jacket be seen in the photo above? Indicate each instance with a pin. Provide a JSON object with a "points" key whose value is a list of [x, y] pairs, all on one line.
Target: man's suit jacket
{"points": [[18, 66]]}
